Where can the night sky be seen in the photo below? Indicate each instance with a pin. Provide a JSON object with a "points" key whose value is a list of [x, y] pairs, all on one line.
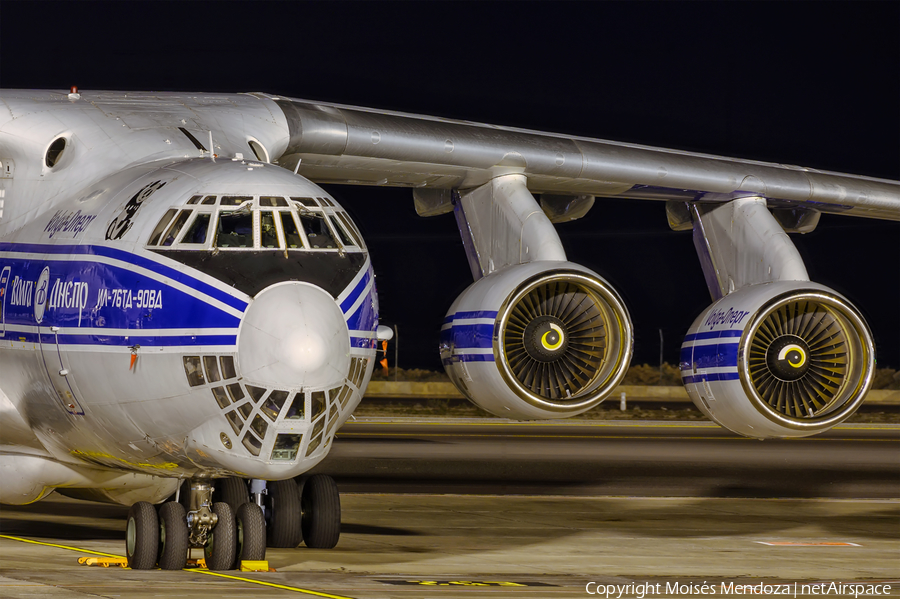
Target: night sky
{"points": [[811, 84]]}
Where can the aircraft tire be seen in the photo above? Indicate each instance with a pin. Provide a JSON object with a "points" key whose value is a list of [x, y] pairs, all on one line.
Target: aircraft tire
{"points": [[233, 491], [173, 536], [251, 533], [285, 515], [321, 512], [221, 542], [142, 536]]}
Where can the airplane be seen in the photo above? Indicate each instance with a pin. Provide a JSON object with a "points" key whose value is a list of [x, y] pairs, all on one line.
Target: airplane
{"points": [[187, 317]]}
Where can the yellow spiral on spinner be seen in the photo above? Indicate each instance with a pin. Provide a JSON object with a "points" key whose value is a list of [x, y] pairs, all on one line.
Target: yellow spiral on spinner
{"points": [[788, 349], [547, 344]]}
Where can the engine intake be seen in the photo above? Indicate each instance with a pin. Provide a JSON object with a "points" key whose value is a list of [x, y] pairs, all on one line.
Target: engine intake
{"points": [[537, 340], [786, 359]]}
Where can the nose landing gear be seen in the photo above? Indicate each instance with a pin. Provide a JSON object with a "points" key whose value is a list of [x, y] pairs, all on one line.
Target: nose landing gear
{"points": [[237, 525], [227, 537]]}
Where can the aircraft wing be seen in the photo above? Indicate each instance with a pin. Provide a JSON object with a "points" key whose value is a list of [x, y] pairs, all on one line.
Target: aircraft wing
{"points": [[345, 144]]}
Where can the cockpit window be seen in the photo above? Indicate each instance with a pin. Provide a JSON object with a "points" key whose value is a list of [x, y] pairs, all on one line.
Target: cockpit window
{"points": [[345, 238], [269, 234], [235, 200], [272, 201], [176, 228], [317, 231], [357, 238], [255, 223], [235, 229], [291, 233], [197, 232], [163, 223]]}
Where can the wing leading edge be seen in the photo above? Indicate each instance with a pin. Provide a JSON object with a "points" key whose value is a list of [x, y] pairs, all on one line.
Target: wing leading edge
{"points": [[344, 144]]}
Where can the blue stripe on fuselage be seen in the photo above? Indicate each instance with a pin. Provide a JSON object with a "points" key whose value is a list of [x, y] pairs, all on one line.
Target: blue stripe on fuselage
{"points": [[357, 290], [365, 316], [177, 275], [158, 340], [83, 292], [110, 299]]}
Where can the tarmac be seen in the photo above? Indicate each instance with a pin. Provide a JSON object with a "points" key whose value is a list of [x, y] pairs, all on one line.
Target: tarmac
{"points": [[502, 545]]}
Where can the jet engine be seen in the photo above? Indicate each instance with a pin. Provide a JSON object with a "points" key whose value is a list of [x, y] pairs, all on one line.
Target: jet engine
{"points": [[781, 359], [537, 340]]}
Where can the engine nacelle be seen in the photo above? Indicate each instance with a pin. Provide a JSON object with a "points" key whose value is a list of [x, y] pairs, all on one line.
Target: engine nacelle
{"points": [[537, 340], [783, 359]]}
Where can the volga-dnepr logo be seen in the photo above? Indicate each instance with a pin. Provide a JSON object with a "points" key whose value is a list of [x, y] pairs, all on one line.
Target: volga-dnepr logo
{"points": [[40, 294]]}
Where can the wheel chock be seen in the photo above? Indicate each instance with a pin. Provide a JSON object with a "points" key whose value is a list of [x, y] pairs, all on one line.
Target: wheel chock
{"points": [[255, 566], [104, 562], [196, 563]]}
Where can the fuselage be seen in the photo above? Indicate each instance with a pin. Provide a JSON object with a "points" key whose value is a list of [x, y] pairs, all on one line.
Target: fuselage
{"points": [[170, 312]]}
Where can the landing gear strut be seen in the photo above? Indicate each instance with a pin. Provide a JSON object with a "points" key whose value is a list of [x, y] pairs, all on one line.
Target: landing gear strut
{"points": [[227, 536]]}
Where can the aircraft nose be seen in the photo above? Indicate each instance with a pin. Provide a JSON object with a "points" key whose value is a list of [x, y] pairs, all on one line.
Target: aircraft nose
{"points": [[293, 335]]}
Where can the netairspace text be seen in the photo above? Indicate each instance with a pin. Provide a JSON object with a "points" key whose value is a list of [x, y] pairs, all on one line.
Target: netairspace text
{"points": [[648, 589]]}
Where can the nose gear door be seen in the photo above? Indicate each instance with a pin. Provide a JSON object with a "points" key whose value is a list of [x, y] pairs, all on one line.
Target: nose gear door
{"points": [[48, 337], [58, 372]]}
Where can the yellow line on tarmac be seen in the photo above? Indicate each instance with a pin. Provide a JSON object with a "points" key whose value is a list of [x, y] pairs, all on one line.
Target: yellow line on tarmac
{"points": [[192, 570], [636, 437], [58, 546], [574, 424], [270, 584], [587, 423], [534, 436]]}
